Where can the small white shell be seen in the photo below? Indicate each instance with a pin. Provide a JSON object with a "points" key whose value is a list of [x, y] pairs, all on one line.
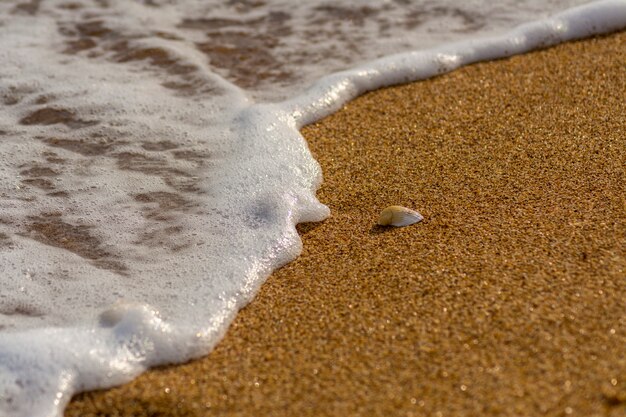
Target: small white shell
{"points": [[399, 216]]}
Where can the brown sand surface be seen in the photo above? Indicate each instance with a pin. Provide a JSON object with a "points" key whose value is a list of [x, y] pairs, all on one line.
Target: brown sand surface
{"points": [[507, 300]]}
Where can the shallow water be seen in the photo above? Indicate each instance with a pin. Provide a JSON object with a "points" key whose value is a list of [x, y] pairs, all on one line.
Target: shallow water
{"points": [[147, 190]]}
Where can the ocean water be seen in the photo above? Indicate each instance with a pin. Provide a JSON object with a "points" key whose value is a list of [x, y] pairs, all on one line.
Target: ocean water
{"points": [[151, 168]]}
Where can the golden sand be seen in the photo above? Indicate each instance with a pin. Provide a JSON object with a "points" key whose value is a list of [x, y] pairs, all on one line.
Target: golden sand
{"points": [[507, 300]]}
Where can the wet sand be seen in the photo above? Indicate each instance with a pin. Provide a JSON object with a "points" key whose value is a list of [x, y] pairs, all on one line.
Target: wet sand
{"points": [[507, 300]]}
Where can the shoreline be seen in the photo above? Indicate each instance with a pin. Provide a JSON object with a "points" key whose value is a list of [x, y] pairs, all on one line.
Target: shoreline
{"points": [[506, 300]]}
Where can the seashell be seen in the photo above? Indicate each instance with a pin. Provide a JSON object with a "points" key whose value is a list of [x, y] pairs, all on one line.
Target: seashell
{"points": [[399, 216]]}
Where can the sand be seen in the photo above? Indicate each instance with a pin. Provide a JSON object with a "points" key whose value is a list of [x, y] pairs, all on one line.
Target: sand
{"points": [[507, 300]]}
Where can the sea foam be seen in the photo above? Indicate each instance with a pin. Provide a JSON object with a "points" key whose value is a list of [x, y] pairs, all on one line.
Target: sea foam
{"points": [[145, 198]]}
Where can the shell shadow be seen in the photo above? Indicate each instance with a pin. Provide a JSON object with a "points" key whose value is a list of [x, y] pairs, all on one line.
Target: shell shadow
{"points": [[378, 229]]}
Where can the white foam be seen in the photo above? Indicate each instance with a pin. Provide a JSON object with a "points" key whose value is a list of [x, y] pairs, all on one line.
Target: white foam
{"points": [[151, 198], [331, 92]]}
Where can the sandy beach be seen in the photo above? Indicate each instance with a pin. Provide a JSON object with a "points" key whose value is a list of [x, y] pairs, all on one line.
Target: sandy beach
{"points": [[507, 300]]}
